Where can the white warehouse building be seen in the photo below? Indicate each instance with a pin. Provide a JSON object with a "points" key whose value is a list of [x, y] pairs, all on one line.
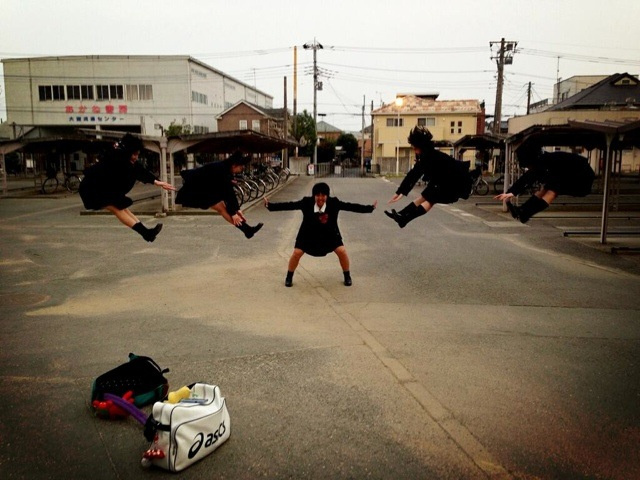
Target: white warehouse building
{"points": [[136, 93]]}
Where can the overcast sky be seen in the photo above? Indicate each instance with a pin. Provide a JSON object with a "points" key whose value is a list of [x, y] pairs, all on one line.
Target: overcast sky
{"points": [[371, 49]]}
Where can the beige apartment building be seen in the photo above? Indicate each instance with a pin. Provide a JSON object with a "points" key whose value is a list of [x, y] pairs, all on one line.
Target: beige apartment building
{"points": [[447, 120]]}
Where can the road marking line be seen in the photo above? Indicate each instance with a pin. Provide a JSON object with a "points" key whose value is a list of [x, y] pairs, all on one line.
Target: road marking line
{"points": [[460, 435]]}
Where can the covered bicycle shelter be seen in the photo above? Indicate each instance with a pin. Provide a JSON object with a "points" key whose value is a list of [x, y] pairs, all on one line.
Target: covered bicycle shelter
{"points": [[94, 141], [51, 152], [487, 143], [609, 138], [245, 141]]}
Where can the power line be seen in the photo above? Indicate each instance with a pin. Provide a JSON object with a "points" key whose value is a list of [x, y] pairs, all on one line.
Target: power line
{"points": [[578, 57], [418, 51]]}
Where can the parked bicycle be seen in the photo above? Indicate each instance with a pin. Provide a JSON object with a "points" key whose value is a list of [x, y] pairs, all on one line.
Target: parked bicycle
{"points": [[251, 185], [240, 194], [479, 185], [71, 182]]}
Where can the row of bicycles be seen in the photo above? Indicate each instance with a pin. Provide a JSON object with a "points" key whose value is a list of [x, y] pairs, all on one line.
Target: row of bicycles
{"points": [[261, 180], [480, 186], [70, 182]]}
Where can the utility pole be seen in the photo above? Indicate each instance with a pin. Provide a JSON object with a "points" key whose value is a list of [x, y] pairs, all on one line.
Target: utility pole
{"points": [[364, 102], [529, 99], [504, 57], [295, 94], [285, 150], [315, 46], [372, 136]]}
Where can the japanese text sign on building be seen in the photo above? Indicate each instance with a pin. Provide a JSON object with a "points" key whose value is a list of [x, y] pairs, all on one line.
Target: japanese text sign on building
{"points": [[98, 114], [110, 109]]}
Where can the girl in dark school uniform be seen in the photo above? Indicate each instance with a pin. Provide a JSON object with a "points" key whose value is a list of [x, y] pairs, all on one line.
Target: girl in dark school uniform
{"points": [[319, 233], [211, 187], [106, 184]]}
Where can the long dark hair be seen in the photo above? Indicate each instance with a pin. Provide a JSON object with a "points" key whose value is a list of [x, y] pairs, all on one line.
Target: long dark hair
{"points": [[420, 137]]}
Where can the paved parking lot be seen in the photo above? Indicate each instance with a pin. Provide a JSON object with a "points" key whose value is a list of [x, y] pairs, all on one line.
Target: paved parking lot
{"points": [[469, 346]]}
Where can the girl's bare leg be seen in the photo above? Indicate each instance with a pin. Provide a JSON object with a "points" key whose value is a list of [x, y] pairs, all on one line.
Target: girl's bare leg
{"points": [[341, 252], [125, 215], [293, 264], [424, 204], [221, 208], [547, 195], [295, 259]]}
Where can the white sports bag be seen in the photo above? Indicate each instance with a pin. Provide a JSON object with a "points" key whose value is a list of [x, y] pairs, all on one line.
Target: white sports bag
{"points": [[189, 430]]}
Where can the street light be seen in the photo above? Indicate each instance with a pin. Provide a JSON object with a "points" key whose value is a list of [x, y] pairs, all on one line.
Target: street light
{"points": [[398, 105]]}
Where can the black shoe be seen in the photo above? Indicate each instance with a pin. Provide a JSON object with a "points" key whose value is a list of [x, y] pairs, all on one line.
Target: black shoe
{"points": [[153, 233], [248, 230], [347, 280], [255, 230], [513, 210], [288, 282], [396, 217]]}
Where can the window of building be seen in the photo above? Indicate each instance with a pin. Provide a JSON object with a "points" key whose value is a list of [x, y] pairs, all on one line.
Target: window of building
{"points": [[51, 92], [102, 92], [44, 92], [395, 122], [73, 92], [142, 92], [58, 92], [198, 97], [427, 121], [132, 92], [198, 129], [109, 92], [242, 125], [255, 125], [145, 92], [87, 92], [116, 92]]}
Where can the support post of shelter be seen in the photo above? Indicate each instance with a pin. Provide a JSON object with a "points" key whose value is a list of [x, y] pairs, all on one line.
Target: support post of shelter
{"points": [[172, 194], [508, 152], [4, 174], [605, 197], [163, 172]]}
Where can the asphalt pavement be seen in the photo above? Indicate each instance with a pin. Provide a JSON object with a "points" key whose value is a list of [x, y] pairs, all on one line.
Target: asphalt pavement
{"points": [[469, 346]]}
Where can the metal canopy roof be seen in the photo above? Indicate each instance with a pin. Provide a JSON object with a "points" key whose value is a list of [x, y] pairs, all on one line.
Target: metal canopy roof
{"points": [[483, 141], [588, 134], [479, 142], [607, 136], [247, 141]]}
